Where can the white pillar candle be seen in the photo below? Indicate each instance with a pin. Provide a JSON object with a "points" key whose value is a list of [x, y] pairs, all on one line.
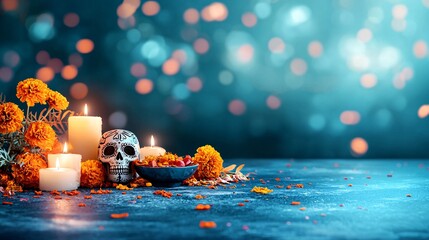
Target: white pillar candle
{"points": [[152, 150], [84, 135], [57, 179], [66, 160]]}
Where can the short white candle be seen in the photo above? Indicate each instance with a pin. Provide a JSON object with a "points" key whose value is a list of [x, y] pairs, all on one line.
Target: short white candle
{"points": [[66, 160], [57, 179], [84, 135], [152, 150]]}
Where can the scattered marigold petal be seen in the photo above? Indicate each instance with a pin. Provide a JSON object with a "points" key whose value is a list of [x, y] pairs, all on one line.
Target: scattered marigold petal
{"points": [[299, 185], [163, 193], [277, 179], [350, 185], [198, 196], [289, 187], [119, 215], [36, 196], [55, 192], [261, 190], [202, 207], [58, 197], [81, 205], [123, 187], [241, 204], [148, 184], [139, 197], [295, 203], [38, 192], [207, 224], [87, 197], [100, 191], [246, 200], [7, 203], [302, 209], [408, 195]]}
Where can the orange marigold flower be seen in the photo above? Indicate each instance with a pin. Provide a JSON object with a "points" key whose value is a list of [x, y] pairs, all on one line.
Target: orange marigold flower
{"points": [[92, 174], [11, 118], [57, 101], [209, 163], [26, 171], [4, 179], [32, 91], [40, 134]]}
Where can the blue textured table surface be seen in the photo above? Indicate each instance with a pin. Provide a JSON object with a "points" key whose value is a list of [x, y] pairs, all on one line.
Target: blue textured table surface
{"points": [[375, 206]]}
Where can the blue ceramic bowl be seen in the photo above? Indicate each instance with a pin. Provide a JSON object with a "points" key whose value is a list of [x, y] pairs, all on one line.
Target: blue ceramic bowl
{"points": [[166, 176]]}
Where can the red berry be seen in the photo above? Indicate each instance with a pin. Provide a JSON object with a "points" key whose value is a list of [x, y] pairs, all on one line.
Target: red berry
{"points": [[180, 163], [187, 161]]}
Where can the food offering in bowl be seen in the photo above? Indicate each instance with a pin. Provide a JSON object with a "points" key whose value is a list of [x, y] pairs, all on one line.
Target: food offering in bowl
{"points": [[168, 170]]}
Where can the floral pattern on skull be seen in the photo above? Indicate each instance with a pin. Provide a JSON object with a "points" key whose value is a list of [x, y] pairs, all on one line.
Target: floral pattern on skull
{"points": [[117, 149]]}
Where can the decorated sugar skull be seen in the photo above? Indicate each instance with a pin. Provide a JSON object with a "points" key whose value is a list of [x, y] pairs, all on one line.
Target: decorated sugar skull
{"points": [[118, 148]]}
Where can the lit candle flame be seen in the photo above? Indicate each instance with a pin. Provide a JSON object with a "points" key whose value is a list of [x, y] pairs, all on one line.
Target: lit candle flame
{"points": [[57, 164], [65, 148], [152, 141], [85, 111]]}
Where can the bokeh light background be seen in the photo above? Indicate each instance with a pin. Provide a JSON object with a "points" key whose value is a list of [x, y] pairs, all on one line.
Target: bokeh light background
{"points": [[257, 78]]}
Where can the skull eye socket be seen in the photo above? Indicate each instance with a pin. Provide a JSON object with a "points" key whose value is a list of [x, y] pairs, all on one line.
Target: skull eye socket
{"points": [[129, 150], [109, 150]]}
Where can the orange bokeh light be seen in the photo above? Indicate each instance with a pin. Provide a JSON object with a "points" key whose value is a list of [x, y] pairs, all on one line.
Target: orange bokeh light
{"points": [[56, 64], [298, 67], [79, 90], [150, 8], [191, 16], [42, 57], [126, 10], [215, 12], [364, 35], [359, 146], [399, 11], [420, 49], [273, 102], [144, 86], [368, 80], [315, 49], [350, 117], [85, 46], [249, 20], [171, 67], [276, 45], [423, 111], [180, 56], [9, 5], [237, 107], [201, 45], [194, 84], [245, 53], [138, 70], [71, 19], [45, 74], [69, 72]]}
